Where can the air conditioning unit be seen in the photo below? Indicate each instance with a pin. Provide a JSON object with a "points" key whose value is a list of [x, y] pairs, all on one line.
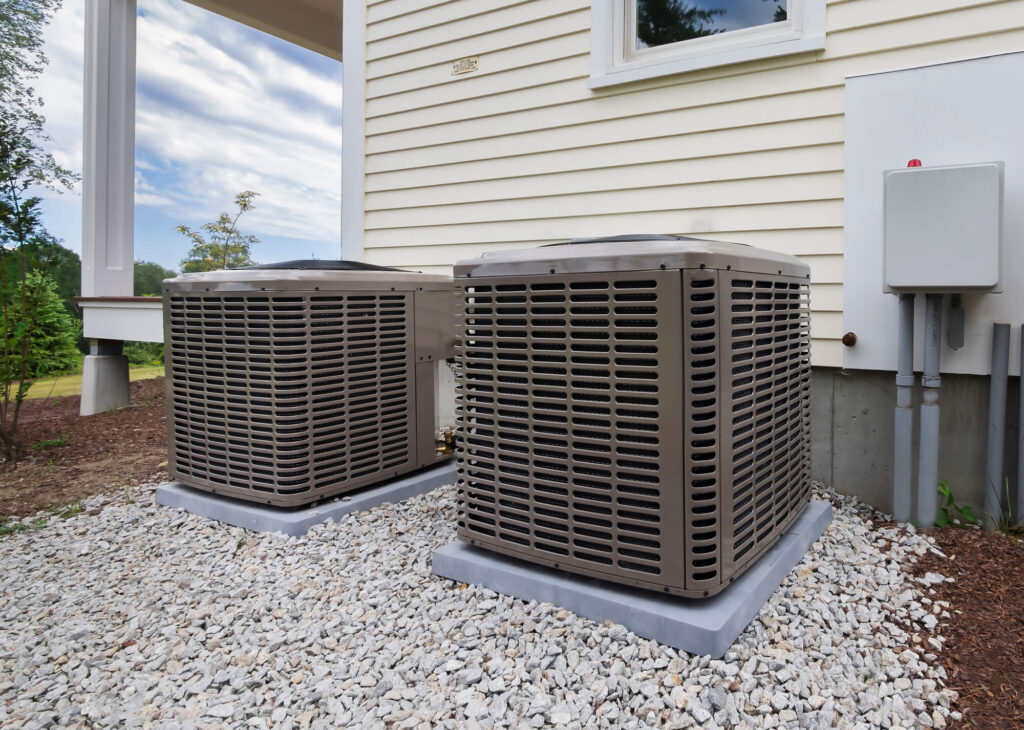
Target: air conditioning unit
{"points": [[290, 383], [635, 409]]}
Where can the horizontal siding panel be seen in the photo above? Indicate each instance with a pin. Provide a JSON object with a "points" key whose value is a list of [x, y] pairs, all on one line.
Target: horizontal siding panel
{"points": [[749, 112], [681, 198], [485, 32], [761, 164], [481, 87], [927, 30], [382, 10], [507, 59], [717, 144], [826, 297], [825, 353], [864, 13], [827, 325], [569, 102], [812, 214], [426, 18]]}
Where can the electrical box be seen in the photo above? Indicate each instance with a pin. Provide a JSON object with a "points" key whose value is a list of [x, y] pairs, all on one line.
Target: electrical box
{"points": [[942, 228]]}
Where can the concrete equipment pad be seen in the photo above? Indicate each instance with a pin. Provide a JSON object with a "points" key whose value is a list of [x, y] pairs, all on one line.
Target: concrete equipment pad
{"points": [[697, 626], [294, 522]]}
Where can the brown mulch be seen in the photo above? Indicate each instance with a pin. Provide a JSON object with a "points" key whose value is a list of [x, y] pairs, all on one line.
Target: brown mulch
{"points": [[984, 652], [99, 452]]}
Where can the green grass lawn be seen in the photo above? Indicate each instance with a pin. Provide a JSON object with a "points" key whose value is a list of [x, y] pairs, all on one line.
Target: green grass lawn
{"points": [[72, 384]]}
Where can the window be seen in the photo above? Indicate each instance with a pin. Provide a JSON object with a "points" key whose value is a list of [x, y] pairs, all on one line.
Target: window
{"points": [[640, 39]]}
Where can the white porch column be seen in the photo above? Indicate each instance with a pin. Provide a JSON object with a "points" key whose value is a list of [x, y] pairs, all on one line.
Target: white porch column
{"points": [[108, 180], [353, 128], [108, 189]]}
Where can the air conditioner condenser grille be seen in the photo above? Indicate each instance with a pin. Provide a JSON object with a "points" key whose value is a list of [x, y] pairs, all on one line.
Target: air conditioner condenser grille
{"points": [[646, 427], [274, 396], [768, 372], [568, 423]]}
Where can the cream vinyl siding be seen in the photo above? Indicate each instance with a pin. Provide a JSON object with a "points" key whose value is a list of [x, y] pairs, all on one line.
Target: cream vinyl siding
{"points": [[522, 153]]}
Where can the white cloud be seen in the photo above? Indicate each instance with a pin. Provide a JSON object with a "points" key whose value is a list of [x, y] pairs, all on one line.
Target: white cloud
{"points": [[220, 108], [229, 114]]}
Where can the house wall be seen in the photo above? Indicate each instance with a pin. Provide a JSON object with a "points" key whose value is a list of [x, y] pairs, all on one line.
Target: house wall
{"points": [[852, 419], [522, 152]]}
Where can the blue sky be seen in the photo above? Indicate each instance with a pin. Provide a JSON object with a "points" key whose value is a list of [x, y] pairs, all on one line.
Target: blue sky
{"points": [[220, 108]]}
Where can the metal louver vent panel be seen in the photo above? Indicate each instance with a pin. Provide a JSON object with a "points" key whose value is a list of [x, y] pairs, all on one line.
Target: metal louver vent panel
{"points": [[292, 397], [646, 427], [769, 373], [569, 423]]}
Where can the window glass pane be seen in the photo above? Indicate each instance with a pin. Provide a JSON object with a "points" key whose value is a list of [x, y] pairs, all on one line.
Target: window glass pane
{"points": [[659, 22]]}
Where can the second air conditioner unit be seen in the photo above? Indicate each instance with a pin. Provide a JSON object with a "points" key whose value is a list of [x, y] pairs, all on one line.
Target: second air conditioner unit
{"points": [[290, 383], [635, 409]]}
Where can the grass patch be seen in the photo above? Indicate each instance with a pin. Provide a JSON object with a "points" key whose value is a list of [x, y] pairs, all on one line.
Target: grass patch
{"points": [[10, 527], [64, 385], [50, 442]]}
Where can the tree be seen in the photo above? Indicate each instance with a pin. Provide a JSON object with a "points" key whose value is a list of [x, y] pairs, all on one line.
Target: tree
{"points": [[659, 22], [22, 131], [780, 10], [32, 332], [45, 254], [38, 338], [226, 247], [149, 278]]}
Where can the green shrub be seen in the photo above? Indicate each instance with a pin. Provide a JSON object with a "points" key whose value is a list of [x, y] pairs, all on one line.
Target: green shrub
{"points": [[51, 332], [144, 353]]}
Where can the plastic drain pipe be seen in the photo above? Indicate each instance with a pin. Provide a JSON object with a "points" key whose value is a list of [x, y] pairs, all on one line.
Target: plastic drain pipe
{"points": [[928, 463], [996, 425], [903, 446]]}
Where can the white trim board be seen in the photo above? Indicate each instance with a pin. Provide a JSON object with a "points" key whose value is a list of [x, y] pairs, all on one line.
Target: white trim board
{"points": [[353, 129], [125, 321]]}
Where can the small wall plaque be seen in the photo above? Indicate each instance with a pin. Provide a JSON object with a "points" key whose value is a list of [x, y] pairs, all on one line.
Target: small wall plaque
{"points": [[465, 65]]}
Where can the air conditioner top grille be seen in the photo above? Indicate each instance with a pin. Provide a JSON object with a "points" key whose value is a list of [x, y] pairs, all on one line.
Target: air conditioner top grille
{"points": [[307, 279], [632, 253], [318, 265]]}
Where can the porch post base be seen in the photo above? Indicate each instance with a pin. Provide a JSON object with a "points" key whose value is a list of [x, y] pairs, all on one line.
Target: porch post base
{"points": [[104, 379]]}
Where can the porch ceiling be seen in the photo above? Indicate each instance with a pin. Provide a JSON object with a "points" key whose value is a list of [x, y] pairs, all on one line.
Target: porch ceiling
{"points": [[312, 24]]}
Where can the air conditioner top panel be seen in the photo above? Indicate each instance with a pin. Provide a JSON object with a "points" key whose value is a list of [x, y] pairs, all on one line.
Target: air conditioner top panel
{"points": [[320, 264], [632, 253], [307, 279]]}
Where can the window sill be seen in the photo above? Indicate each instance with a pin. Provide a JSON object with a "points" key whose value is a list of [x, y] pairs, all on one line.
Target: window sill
{"points": [[650, 70]]}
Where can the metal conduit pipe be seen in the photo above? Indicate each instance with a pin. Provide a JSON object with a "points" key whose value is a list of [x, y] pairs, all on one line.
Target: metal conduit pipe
{"points": [[928, 463], [903, 445], [996, 425], [1019, 512]]}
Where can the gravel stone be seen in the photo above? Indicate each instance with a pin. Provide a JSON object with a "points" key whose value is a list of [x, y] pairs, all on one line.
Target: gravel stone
{"points": [[135, 615]]}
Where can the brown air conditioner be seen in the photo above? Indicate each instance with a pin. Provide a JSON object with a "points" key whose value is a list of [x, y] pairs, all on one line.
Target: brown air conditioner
{"points": [[635, 409], [289, 383]]}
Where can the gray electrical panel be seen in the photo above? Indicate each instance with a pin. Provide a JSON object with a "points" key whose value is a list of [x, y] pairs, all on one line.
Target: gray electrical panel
{"points": [[942, 228]]}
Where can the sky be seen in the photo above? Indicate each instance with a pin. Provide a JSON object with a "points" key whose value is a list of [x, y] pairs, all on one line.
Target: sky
{"points": [[220, 108]]}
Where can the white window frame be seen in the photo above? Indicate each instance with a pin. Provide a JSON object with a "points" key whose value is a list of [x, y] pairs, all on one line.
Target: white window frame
{"points": [[614, 60]]}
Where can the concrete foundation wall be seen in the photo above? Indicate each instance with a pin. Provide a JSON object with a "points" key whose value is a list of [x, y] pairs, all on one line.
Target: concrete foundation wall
{"points": [[852, 434]]}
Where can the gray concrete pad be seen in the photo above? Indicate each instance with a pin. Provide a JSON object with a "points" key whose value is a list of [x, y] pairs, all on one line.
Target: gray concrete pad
{"points": [[264, 518], [697, 626]]}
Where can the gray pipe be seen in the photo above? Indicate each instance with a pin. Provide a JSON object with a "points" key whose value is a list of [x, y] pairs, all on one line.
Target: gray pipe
{"points": [[1019, 513], [928, 463], [996, 425], [903, 446]]}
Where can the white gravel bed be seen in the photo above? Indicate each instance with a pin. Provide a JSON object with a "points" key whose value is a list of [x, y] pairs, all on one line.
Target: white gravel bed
{"points": [[142, 616]]}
